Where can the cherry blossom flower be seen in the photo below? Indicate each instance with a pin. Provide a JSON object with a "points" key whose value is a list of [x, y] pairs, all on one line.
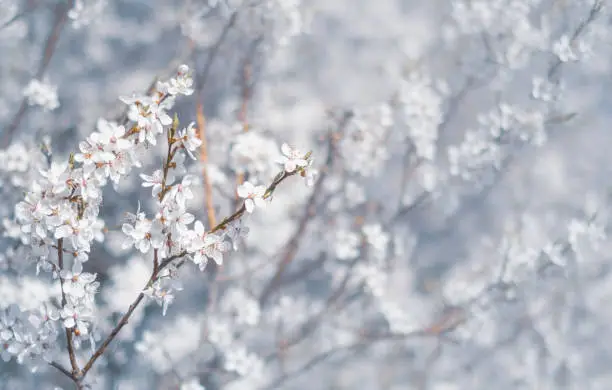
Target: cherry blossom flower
{"points": [[111, 135], [188, 137], [207, 245], [236, 231], [76, 281], [182, 84], [155, 181], [162, 291], [78, 230], [57, 177], [252, 195], [76, 315], [181, 192], [150, 116], [292, 158], [47, 314], [8, 320], [175, 220], [31, 213], [144, 234]]}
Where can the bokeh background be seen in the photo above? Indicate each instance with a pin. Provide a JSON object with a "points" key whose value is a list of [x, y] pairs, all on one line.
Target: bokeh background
{"points": [[456, 234]]}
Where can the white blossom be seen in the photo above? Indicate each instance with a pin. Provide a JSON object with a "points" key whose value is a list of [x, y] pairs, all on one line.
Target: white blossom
{"points": [[292, 158], [76, 281], [155, 181], [252, 195], [207, 245], [162, 291], [144, 234], [41, 93], [189, 138]]}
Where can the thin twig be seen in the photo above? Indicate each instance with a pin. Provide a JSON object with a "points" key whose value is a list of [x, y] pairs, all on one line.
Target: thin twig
{"points": [[19, 15], [71, 354], [366, 341], [593, 13], [157, 267], [312, 323], [293, 244], [242, 115], [203, 76], [154, 275], [62, 369], [124, 320]]}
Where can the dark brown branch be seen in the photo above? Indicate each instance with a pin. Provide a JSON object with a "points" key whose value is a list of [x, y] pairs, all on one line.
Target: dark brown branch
{"points": [[62, 370], [124, 320], [157, 267], [71, 354], [155, 274]]}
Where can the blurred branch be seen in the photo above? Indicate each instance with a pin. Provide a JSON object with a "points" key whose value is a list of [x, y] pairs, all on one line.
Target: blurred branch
{"points": [[293, 244], [202, 77], [305, 270], [242, 114], [61, 16], [29, 8], [593, 13], [366, 340], [313, 322], [444, 324], [69, 342]]}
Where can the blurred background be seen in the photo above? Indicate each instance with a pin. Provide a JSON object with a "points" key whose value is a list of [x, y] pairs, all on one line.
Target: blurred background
{"points": [[455, 237]]}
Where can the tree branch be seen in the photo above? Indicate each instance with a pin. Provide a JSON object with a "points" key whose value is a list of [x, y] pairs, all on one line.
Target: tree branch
{"points": [[157, 270], [293, 244], [71, 354]]}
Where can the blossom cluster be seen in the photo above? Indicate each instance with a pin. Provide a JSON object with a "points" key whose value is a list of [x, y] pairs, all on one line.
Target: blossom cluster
{"points": [[29, 336], [442, 240], [59, 216]]}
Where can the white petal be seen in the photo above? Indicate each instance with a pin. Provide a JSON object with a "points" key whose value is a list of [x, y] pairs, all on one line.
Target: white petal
{"points": [[286, 149]]}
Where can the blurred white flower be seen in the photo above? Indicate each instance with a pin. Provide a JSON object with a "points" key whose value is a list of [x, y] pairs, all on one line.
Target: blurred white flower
{"points": [[192, 384], [346, 244], [41, 93]]}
